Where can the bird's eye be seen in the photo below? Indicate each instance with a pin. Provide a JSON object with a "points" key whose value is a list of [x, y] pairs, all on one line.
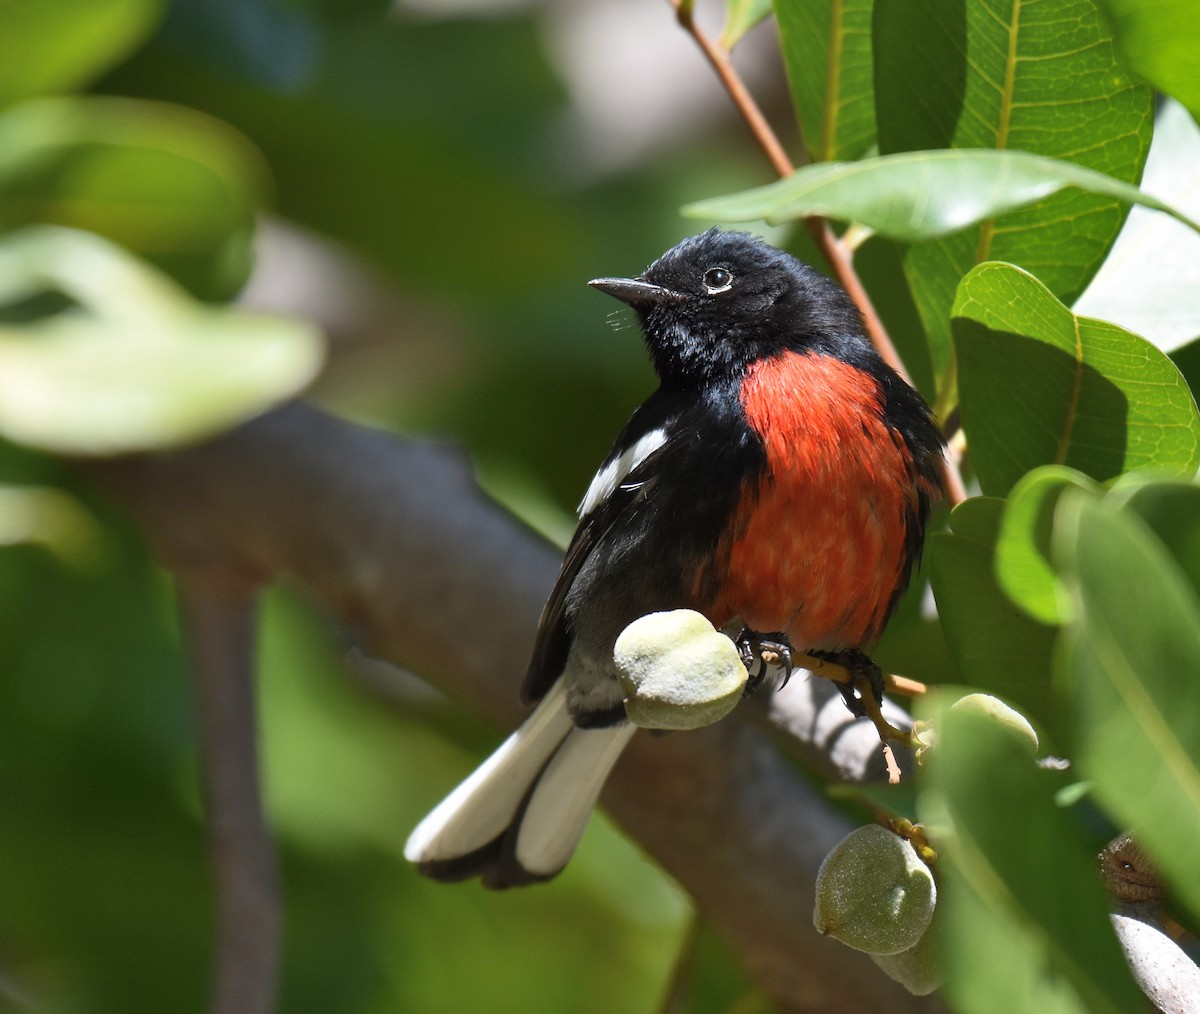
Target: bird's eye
{"points": [[717, 280]]}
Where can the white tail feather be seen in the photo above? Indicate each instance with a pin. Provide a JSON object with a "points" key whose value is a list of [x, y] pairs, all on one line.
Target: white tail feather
{"points": [[562, 800], [521, 814], [484, 805]]}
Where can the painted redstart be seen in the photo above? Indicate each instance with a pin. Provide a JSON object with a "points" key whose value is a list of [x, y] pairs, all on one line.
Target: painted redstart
{"points": [[778, 481]]}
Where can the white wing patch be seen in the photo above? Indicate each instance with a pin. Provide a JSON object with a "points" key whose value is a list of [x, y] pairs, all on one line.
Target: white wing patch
{"points": [[613, 474]]}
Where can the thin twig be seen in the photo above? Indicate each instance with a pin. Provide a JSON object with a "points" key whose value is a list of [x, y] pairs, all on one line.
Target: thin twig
{"points": [[718, 56], [840, 674], [956, 450], [219, 618], [887, 732], [905, 685], [837, 254]]}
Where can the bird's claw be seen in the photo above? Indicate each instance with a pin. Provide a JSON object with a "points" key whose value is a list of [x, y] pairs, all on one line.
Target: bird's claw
{"points": [[763, 650]]}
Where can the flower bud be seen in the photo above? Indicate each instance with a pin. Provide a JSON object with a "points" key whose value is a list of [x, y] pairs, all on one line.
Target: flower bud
{"points": [[873, 892], [677, 671], [1001, 712]]}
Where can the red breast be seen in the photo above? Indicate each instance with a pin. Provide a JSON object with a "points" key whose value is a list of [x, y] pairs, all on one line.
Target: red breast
{"points": [[817, 548]]}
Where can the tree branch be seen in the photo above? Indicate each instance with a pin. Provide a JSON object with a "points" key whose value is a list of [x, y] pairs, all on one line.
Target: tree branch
{"points": [[219, 618], [395, 537]]}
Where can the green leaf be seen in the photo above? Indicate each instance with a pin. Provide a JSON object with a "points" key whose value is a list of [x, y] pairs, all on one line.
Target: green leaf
{"points": [[920, 195], [1159, 39], [60, 46], [1169, 510], [996, 646], [1025, 917], [1041, 386], [170, 184], [418, 157], [740, 17], [1133, 658], [51, 518], [1023, 549], [277, 46], [921, 68], [827, 52], [1041, 78], [136, 365]]}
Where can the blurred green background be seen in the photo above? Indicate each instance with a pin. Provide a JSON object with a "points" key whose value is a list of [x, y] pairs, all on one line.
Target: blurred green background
{"points": [[432, 183]]}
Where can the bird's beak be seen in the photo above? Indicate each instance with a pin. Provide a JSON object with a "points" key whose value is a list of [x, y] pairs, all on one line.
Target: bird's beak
{"points": [[635, 292]]}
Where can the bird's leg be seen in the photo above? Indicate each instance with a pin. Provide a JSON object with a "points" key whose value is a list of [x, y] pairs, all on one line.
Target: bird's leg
{"points": [[764, 649], [860, 667]]}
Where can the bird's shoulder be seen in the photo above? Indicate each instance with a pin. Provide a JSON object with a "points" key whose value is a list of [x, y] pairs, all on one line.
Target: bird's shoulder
{"points": [[675, 440]]}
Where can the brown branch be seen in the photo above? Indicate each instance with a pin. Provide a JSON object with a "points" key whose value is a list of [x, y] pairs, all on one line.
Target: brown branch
{"points": [[219, 619], [835, 252], [396, 538], [718, 56]]}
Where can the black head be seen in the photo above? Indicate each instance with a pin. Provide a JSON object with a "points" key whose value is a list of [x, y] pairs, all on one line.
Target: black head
{"points": [[720, 301]]}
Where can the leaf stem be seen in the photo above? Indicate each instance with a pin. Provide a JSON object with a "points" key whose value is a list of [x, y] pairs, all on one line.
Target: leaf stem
{"points": [[888, 733]]}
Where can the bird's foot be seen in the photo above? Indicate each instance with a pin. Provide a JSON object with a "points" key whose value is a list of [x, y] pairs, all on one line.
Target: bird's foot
{"points": [[762, 650], [860, 667]]}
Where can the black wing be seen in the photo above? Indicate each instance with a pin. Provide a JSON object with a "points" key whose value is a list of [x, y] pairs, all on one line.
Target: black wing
{"points": [[659, 412]]}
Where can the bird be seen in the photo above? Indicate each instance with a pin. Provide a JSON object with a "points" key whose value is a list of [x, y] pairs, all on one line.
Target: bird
{"points": [[778, 481]]}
